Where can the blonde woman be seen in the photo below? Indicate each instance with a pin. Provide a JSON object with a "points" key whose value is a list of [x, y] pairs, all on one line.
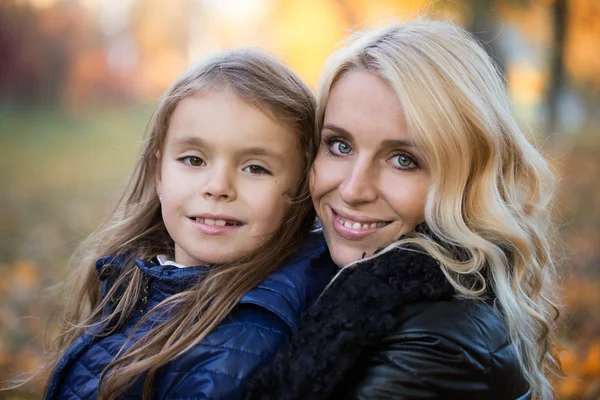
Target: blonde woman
{"points": [[424, 177]]}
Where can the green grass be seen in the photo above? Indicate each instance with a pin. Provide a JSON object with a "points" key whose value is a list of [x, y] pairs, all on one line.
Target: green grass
{"points": [[60, 171]]}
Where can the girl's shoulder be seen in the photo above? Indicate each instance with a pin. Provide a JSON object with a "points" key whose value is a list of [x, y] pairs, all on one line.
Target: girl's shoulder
{"points": [[290, 290], [287, 292], [249, 337]]}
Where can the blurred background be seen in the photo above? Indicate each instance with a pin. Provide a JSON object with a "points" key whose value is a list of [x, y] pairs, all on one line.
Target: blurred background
{"points": [[78, 83]]}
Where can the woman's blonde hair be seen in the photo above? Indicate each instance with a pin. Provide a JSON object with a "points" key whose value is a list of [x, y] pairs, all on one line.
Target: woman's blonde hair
{"points": [[491, 190], [135, 230]]}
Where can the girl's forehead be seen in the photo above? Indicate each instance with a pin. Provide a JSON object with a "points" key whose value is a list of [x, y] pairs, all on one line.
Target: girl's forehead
{"points": [[221, 120]]}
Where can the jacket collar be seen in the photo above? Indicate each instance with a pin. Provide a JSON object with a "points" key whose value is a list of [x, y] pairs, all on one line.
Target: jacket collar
{"points": [[286, 292], [167, 278], [358, 309], [170, 279]]}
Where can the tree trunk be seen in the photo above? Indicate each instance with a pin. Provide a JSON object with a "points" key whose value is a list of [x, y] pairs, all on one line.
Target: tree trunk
{"points": [[485, 28], [559, 24]]}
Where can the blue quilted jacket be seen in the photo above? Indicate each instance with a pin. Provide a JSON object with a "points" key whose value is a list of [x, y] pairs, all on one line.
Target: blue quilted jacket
{"points": [[218, 366]]}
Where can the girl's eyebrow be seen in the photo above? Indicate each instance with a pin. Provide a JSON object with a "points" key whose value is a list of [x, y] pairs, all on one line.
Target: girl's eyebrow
{"points": [[190, 141], [261, 151], [195, 141]]}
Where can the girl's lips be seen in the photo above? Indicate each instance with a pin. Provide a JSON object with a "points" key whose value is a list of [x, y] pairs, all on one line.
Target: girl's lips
{"points": [[217, 220], [354, 230], [214, 227]]}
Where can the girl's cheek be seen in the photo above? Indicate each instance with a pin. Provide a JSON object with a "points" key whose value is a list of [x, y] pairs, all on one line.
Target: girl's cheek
{"points": [[287, 196]]}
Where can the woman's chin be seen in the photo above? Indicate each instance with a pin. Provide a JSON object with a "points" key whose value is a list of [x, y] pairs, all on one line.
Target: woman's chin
{"points": [[344, 252], [344, 255]]}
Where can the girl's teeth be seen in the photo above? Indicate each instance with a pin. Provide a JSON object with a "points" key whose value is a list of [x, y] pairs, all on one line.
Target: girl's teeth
{"points": [[217, 222], [356, 225], [347, 224], [374, 225]]}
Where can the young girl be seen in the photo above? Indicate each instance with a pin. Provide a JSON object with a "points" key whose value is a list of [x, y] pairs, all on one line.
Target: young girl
{"points": [[188, 297]]}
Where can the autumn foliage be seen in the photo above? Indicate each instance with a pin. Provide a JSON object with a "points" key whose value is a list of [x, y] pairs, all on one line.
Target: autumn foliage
{"points": [[76, 90]]}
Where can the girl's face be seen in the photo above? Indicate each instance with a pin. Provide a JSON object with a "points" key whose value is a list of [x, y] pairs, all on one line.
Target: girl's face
{"points": [[369, 180], [227, 171]]}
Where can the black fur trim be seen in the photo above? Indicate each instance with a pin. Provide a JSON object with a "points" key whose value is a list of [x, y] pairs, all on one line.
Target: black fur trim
{"points": [[357, 310]]}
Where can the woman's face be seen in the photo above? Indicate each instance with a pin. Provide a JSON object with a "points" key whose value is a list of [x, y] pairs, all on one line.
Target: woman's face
{"points": [[369, 180]]}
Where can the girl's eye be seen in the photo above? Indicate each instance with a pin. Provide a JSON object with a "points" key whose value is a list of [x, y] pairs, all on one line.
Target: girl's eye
{"points": [[256, 169], [340, 148], [403, 161], [193, 161]]}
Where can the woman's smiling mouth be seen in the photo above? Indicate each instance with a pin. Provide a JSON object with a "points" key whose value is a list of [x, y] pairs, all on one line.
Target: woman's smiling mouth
{"points": [[354, 228]]}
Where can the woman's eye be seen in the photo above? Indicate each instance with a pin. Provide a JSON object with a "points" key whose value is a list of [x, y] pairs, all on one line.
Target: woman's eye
{"points": [[256, 169], [340, 148], [403, 161], [193, 161]]}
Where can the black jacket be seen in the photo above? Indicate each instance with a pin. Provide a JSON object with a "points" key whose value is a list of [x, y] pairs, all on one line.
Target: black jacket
{"points": [[390, 328]]}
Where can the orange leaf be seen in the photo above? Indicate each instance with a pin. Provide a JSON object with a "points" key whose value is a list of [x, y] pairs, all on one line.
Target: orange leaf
{"points": [[26, 275], [592, 363]]}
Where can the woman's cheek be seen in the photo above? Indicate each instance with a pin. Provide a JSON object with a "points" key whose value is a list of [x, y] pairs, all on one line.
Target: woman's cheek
{"points": [[316, 178], [327, 175], [406, 196]]}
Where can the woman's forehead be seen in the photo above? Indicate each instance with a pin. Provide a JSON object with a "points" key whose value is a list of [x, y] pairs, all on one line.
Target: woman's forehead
{"points": [[362, 102]]}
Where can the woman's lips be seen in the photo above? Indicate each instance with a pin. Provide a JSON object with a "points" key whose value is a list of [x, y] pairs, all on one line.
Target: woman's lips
{"points": [[352, 229]]}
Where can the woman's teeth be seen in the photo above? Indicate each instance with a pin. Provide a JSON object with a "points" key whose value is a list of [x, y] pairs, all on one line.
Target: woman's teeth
{"points": [[217, 222], [357, 225]]}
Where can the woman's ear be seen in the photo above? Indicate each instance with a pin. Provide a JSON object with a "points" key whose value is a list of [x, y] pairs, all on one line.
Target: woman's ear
{"points": [[157, 175]]}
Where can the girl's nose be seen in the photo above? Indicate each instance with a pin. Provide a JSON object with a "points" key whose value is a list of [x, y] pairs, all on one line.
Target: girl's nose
{"points": [[220, 186]]}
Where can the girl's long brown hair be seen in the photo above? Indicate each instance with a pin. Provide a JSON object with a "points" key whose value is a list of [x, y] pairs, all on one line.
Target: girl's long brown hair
{"points": [[135, 229]]}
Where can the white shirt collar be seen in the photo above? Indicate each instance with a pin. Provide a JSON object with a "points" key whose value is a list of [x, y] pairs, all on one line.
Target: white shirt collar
{"points": [[164, 260]]}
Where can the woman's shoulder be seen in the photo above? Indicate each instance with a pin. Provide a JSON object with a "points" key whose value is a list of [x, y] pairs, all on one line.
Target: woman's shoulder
{"points": [[473, 327], [458, 346], [472, 322]]}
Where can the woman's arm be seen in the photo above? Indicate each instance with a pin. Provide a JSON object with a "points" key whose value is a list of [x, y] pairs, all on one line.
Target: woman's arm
{"points": [[449, 349], [421, 366]]}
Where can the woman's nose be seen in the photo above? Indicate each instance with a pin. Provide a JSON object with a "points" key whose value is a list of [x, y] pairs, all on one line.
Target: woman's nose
{"points": [[220, 185], [360, 185]]}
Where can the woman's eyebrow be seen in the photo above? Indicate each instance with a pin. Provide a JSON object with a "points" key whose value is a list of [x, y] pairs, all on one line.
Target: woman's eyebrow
{"points": [[385, 143], [338, 129], [397, 143]]}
